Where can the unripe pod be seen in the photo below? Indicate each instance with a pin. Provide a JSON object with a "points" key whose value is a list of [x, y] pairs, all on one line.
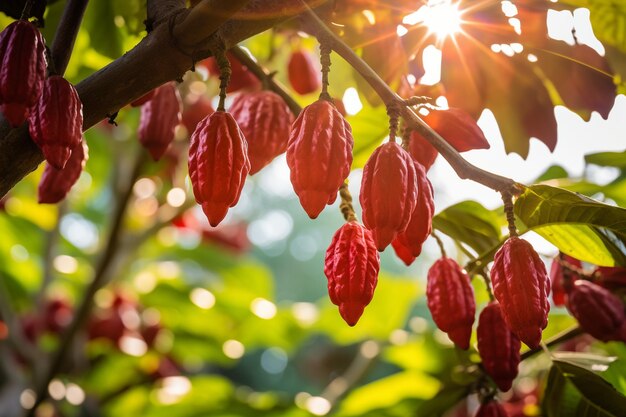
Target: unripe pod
{"points": [[450, 299], [351, 266], [521, 285], [56, 183], [599, 312], [22, 70], [159, 118], [56, 122], [420, 225], [561, 277], [265, 121], [218, 164], [491, 409], [498, 347], [303, 74], [389, 192], [319, 155]]}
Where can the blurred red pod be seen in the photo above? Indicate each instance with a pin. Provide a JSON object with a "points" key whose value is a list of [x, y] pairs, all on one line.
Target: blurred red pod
{"points": [[610, 277], [303, 74], [143, 99], [598, 311], [58, 314], [421, 150], [498, 347], [389, 193], [22, 70], [194, 112], [56, 122], [240, 79], [218, 164], [561, 277], [56, 183], [521, 285], [265, 120], [458, 128], [159, 118], [450, 299], [351, 266], [108, 325], [491, 409], [404, 253], [319, 155]]}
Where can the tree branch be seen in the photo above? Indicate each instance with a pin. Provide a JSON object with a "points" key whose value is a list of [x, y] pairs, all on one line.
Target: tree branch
{"points": [[159, 10], [564, 336], [65, 36]]}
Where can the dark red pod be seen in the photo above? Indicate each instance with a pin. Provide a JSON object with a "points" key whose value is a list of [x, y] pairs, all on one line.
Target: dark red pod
{"points": [[159, 118], [610, 277], [521, 285], [420, 226], [561, 277], [194, 112], [402, 252], [22, 70], [491, 409], [450, 299], [303, 74], [265, 121], [56, 183], [599, 312], [458, 128], [389, 192], [421, 150], [319, 155], [240, 79], [218, 164], [56, 122], [351, 266], [498, 347]]}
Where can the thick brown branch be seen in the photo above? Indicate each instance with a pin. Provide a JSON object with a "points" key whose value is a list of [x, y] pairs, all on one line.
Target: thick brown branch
{"points": [[65, 35], [159, 10]]}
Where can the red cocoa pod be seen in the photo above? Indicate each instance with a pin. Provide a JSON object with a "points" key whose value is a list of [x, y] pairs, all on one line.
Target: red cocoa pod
{"points": [[610, 277], [56, 183], [303, 74], [240, 79], [422, 151], [218, 164], [560, 277], [56, 122], [389, 192], [265, 120], [491, 409], [450, 299], [319, 155], [143, 99], [159, 118], [351, 266], [598, 311], [340, 106], [194, 112], [498, 347], [420, 226], [403, 252], [458, 128], [521, 285], [22, 70]]}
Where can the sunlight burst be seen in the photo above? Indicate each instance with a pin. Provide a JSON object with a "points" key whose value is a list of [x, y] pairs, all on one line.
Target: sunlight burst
{"points": [[441, 17]]}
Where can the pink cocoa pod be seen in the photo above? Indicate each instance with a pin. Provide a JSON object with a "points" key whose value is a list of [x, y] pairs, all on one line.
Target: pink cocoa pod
{"points": [[521, 285], [218, 164], [389, 192], [498, 347], [450, 299], [303, 74], [22, 70], [351, 266], [159, 118], [319, 155], [56, 183]]}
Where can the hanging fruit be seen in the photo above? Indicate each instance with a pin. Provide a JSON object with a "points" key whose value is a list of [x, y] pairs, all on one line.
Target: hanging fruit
{"points": [[56, 183], [195, 111], [159, 118], [561, 277], [303, 73]]}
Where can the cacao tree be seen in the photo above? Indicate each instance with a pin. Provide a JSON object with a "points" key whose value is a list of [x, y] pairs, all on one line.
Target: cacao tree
{"points": [[180, 236]]}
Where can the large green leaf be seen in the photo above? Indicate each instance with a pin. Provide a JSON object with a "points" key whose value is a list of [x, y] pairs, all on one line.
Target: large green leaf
{"points": [[574, 390], [369, 128], [579, 226], [607, 159]]}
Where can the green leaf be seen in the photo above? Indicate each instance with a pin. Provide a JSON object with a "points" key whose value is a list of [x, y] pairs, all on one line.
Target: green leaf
{"points": [[579, 226], [607, 159], [576, 391], [105, 36], [608, 19], [442, 402], [470, 223], [369, 128]]}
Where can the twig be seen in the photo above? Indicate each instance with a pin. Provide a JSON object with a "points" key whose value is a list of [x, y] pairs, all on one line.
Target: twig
{"points": [[463, 168], [65, 35], [557, 339]]}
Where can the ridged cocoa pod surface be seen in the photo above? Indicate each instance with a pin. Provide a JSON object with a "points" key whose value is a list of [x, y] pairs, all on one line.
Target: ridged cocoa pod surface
{"points": [[491, 409], [56, 122], [521, 285], [450, 299], [389, 192], [598, 311], [159, 118], [22, 70], [420, 225], [218, 164], [422, 151], [498, 347], [319, 155], [351, 266], [265, 121], [56, 183], [561, 277], [303, 74]]}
